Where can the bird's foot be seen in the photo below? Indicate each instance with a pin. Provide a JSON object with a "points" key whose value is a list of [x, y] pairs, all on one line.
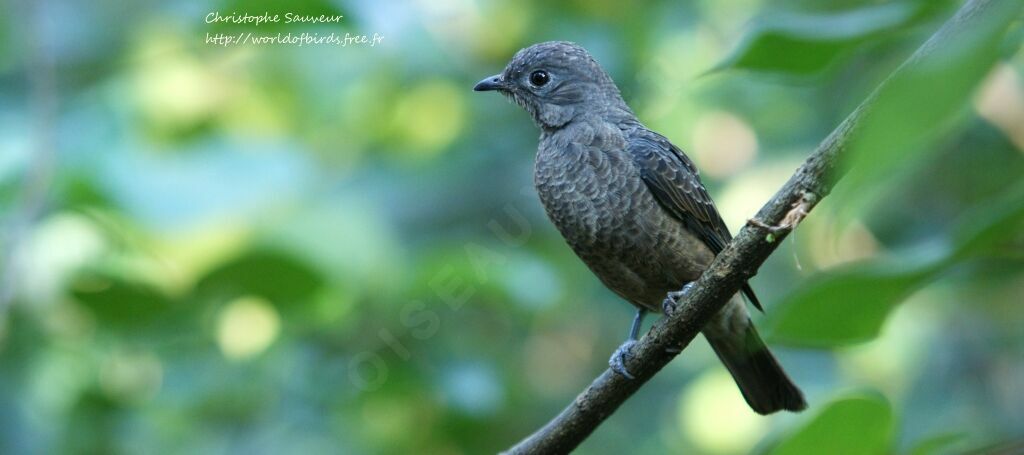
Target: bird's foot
{"points": [[671, 303], [617, 362]]}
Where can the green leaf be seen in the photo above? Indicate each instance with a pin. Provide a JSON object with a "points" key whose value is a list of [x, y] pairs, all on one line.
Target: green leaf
{"points": [[937, 444], [849, 304], [122, 304], [803, 44], [860, 424], [917, 105], [846, 305], [275, 275], [985, 230]]}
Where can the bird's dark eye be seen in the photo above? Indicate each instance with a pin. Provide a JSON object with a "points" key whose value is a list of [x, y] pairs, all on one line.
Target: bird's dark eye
{"points": [[539, 78]]}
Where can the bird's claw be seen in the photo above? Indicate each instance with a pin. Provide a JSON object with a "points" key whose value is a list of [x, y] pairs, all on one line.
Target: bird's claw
{"points": [[617, 362], [668, 306], [671, 303]]}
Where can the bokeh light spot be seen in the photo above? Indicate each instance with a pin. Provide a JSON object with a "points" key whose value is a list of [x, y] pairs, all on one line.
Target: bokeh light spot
{"points": [[723, 143], [174, 88], [131, 377], [1001, 102], [430, 116], [60, 246], [747, 192], [246, 327], [473, 388], [714, 416]]}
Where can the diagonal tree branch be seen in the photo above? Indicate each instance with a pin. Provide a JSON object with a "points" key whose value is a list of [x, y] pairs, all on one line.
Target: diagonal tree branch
{"points": [[732, 267]]}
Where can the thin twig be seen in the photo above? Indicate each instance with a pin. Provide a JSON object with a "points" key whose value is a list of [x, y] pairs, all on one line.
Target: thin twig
{"points": [[797, 212]]}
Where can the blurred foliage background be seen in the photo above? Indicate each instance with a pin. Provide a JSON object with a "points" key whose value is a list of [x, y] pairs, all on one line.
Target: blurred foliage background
{"points": [[327, 249]]}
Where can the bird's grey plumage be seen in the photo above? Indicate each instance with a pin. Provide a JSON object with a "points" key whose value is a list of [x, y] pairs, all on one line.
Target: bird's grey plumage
{"points": [[630, 204]]}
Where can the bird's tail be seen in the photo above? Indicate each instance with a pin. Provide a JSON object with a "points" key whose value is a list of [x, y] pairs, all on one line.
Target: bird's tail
{"points": [[764, 384]]}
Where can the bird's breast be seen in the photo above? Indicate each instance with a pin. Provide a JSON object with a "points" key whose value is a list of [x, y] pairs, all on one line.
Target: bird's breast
{"points": [[594, 197]]}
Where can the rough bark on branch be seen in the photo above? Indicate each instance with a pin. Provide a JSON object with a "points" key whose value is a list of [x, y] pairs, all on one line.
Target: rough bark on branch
{"points": [[731, 268]]}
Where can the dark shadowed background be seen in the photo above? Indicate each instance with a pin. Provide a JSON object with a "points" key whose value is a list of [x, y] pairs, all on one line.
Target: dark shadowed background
{"points": [[274, 248]]}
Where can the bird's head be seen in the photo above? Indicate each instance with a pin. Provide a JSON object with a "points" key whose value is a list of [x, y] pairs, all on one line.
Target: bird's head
{"points": [[556, 82]]}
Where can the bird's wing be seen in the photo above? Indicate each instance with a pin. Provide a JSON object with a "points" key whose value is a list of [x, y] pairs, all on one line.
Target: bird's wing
{"points": [[675, 183]]}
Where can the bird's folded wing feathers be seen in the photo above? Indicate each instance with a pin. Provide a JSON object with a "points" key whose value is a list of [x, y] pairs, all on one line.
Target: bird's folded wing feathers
{"points": [[675, 183]]}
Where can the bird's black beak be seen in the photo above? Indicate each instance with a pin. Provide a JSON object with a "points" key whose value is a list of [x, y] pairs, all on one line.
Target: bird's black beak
{"points": [[491, 83]]}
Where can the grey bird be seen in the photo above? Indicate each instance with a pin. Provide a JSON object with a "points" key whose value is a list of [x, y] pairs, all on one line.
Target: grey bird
{"points": [[631, 205]]}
